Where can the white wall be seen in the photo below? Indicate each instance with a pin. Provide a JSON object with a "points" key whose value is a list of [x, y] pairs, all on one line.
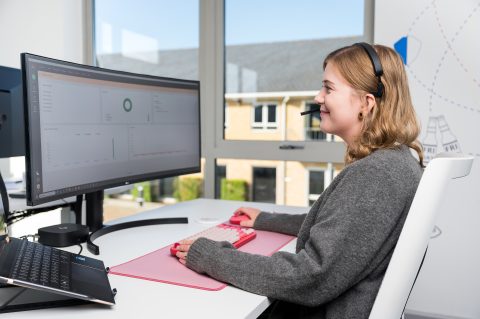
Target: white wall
{"points": [[444, 76], [52, 28]]}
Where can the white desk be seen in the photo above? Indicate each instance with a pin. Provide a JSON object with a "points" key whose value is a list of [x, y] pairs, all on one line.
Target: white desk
{"points": [[147, 299]]}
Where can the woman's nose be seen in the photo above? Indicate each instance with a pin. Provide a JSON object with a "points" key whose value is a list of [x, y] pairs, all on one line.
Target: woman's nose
{"points": [[319, 98]]}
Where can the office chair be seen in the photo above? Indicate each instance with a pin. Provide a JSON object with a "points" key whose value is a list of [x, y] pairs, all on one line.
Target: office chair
{"points": [[412, 244]]}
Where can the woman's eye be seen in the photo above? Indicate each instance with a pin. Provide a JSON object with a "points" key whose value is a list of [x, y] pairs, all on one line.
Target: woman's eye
{"points": [[327, 89]]}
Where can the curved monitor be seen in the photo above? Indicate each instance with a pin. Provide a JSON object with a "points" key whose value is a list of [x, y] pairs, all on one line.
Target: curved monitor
{"points": [[89, 128]]}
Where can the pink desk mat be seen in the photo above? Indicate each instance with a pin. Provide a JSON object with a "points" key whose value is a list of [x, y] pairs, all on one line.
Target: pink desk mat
{"points": [[161, 266]]}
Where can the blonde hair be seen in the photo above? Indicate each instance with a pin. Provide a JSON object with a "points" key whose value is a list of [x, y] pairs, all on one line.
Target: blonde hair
{"points": [[393, 120]]}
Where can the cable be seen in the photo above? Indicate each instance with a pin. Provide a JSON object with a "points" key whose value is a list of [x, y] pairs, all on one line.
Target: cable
{"points": [[18, 215], [34, 237], [81, 249]]}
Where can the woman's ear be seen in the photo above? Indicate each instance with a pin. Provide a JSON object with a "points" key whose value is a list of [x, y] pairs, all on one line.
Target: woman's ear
{"points": [[369, 103]]}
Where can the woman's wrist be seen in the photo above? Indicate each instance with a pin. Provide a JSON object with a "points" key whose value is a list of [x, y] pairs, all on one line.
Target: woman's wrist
{"points": [[201, 251]]}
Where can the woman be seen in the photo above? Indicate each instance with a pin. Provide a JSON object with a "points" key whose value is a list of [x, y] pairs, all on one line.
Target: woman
{"points": [[347, 239]]}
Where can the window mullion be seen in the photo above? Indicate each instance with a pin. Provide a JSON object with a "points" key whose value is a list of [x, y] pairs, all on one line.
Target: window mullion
{"points": [[211, 71]]}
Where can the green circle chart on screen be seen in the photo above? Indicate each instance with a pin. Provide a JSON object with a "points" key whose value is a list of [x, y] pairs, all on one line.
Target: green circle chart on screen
{"points": [[127, 105]]}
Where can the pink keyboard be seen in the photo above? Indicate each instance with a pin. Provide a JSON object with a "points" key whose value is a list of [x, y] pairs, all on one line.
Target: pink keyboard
{"points": [[236, 235]]}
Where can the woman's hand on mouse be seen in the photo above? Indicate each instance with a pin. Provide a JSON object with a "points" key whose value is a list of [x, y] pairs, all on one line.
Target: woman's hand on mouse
{"points": [[251, 212]]}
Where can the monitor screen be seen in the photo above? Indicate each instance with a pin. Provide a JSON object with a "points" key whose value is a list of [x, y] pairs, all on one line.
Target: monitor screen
{"points": [[90, 128], [12, 132]]}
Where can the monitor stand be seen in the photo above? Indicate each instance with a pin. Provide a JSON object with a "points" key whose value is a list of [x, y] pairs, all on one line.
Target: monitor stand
{"points": [[94, 210]]}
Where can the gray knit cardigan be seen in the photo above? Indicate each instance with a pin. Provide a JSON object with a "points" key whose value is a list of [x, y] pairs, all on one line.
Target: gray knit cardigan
{"points": [[344, 243]]}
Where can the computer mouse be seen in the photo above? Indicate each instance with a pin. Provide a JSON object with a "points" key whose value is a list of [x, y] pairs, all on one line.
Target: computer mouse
{"points": [[236, 219], [173, 249]]}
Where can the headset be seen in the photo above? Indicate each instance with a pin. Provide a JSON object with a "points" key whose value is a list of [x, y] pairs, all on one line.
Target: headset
{"points": [[377, 66]]}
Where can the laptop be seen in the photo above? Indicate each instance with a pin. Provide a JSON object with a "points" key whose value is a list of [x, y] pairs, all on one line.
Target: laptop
{"points": [[49, 270]]}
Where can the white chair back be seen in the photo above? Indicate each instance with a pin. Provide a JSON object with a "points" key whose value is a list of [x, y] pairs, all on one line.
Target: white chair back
{"points": [[413, 241]]}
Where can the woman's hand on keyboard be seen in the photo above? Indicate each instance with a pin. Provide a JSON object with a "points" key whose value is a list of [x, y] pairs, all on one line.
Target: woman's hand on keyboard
{"points": [[251, 212], [183, 250]]}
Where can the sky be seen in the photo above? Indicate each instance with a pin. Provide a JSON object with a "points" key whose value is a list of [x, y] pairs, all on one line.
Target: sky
{"points": [[174, 24]]}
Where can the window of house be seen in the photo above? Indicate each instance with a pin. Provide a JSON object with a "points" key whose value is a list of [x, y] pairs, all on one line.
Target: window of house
{"points": [[264, 184], [316, 185], [312, 125], [265, 116]]}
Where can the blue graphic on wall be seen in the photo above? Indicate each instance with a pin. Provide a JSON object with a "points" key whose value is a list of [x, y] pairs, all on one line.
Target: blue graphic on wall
{"points": [[401, 47], [409, 48]]}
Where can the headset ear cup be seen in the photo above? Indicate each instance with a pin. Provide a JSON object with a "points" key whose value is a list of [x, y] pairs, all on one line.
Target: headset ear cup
{"points": [[380, 89]]}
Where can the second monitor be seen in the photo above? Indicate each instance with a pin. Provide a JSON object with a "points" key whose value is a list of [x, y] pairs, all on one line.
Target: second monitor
{"points": [[90, 128], [12, 136]]}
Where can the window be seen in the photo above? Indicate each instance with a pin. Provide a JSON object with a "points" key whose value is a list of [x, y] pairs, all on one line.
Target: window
{"points": [[265, 116], [312, 125], [316, 185], [280, 61], [161, 38], [258, 114], [264, 180]]}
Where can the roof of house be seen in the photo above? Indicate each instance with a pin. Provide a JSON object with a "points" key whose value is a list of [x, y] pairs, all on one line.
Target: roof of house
{"points": [[265, 67]]}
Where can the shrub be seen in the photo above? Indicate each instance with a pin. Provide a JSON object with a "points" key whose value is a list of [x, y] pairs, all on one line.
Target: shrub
{"points": [[234, 189], [187, 188], [2, 226]]}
